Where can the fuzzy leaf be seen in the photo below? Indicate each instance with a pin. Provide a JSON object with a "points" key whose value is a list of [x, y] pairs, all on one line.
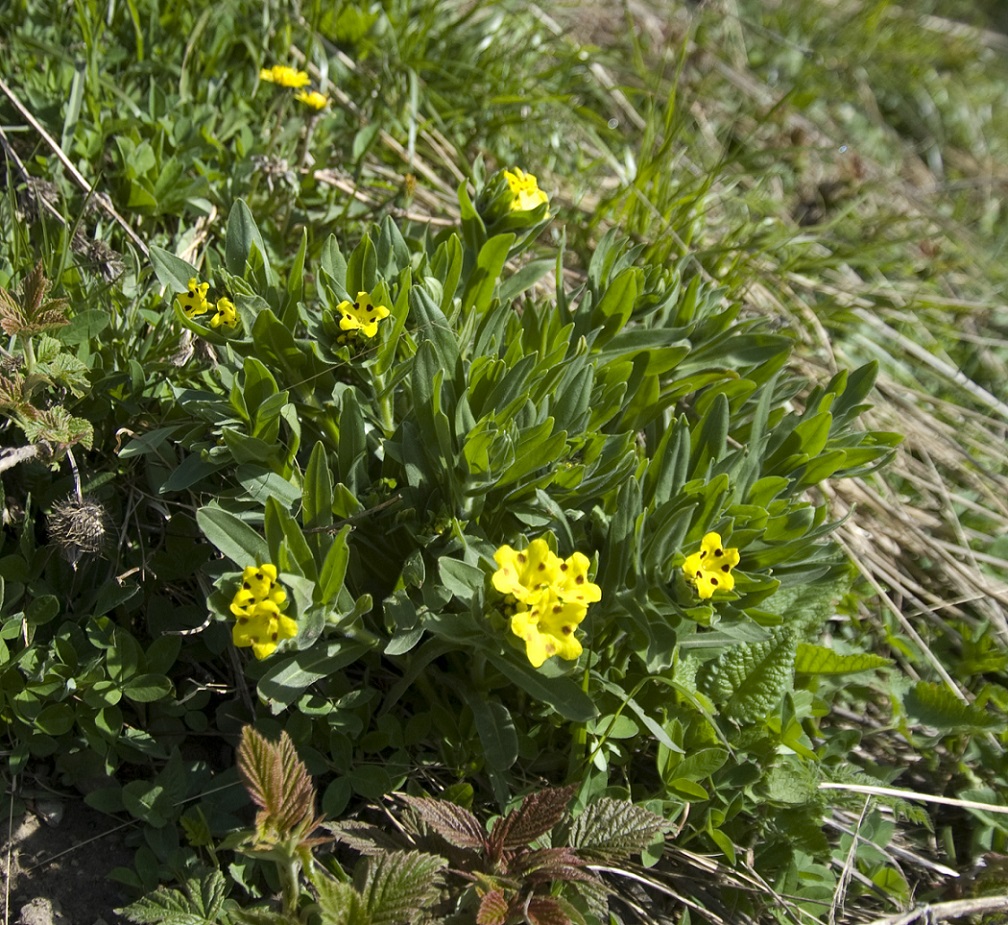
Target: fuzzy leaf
{"points": [[363, 837], [613, 830], [200, 903], [747, 681], [455, 824], [935, 705], [493, 909], [56, 425], [277, 781], [340, 903], [819, 660], [544, 910], [538, 814], [547, 865], [399, 886]]}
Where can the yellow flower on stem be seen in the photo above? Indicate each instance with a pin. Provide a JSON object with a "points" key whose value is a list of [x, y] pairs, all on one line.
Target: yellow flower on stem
{"points": [[312, 98], [525, 191], [361, 315], [284, 76], [225, 316], [263, 627], [548, 598], [259, 583], [194, 301], [710, 568]]}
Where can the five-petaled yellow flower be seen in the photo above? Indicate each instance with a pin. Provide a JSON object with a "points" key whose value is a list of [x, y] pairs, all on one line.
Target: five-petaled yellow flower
{"points": [[285, 76], [524, 190], [194, 301], [548, 597], [225, 315], [361, 315], [710, 568], [256, 606], [312, 98]]}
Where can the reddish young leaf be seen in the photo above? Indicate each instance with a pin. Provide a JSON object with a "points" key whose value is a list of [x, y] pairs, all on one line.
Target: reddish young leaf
{"points": [[543, 910], [538, 814], [455, 824], [493, 909]]}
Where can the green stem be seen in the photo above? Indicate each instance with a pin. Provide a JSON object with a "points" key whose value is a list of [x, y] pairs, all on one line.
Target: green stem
{"points": [[291, 889]]}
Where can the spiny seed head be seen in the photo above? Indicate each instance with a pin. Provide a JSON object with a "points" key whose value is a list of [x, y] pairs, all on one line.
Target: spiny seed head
{"points": [[77, 528]]}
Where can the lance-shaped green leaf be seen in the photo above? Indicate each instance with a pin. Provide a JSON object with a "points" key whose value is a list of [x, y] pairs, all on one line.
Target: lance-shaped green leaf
{"points": [[819, 660]]}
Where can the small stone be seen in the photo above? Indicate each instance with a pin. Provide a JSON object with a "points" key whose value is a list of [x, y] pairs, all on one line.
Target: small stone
{"points": [[41, 911]]}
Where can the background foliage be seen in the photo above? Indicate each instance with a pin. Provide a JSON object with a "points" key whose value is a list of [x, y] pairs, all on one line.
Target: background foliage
{"points": [[756, 272]]}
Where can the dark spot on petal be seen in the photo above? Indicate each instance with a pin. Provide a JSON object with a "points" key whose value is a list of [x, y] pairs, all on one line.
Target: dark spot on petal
{"points": [[703, 552], [243, 620], [246, 585], [580, 579], [521, 558], [274, 637], [726, 567], [558, 608], [713, 581], [357, 305], [719, 553], [542, 566], [255, 639], [567, 630], [563, 566]]}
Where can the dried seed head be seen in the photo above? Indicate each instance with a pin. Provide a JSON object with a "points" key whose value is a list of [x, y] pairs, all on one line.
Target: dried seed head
{"points": [[77, 528]]}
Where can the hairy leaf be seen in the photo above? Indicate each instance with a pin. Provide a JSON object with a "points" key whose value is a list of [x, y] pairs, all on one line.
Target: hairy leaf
{"points": [[363, 837], [545, 910], [612, 830], [819, 660], [277, 781], [340, 903], [399, 886], [747, 681], [455, 824], [935, 705], [56, 425], [547, 865], [199, 903], [493, 909], [538, 814]]}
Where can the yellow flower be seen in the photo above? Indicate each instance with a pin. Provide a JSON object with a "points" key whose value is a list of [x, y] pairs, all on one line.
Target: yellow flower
{"points": [[312, 98], [262, 628], [285, 76], [548, 596], [194, 302], [259, 583], [225, 314], [361, 315], [524, 190], [710, 569]]}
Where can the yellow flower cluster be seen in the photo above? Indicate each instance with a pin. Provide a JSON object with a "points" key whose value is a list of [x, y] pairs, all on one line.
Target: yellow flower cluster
{"points": [[525, 191], [285, 76], [549, 597], [710, 568], [361, 315], [194, 303], [256, 606]]}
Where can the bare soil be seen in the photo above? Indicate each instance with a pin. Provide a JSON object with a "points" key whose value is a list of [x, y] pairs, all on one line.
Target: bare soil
{"points": [[56, 872]]}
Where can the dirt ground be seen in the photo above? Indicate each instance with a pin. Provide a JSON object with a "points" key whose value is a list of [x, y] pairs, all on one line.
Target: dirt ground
{"points": [[55, 872]]}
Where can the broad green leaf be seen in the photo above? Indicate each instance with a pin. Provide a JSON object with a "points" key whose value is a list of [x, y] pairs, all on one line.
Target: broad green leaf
{"points": [[232, 536], [496, 730], [284, 682], [201, 903], [484, 278], [399, 886], [241, 236], [172, 272], [819, 660]]}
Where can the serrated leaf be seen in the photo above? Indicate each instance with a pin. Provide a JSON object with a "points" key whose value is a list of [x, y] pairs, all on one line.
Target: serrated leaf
{"points": [[340, 903], [56, 425], [613, 830], [935, 705], [544, 910], [399, 886], [455, 824], [538, 814], [363, 837], [277, 781], [748, 680], [200, 903], [493, 909], [820, 660]]}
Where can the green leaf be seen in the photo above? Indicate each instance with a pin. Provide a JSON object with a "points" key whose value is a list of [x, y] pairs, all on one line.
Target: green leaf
{"points": [[233, 537], [819, 660], [496, 730], [399, 886], [748, 680], [242, 234], [285, 681], [201, 903], [561, 693], [484, 277], [146, 688], [936, 706], [277, 781], [172, 272], [340, 903], [460, 578], [317, 491]]}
